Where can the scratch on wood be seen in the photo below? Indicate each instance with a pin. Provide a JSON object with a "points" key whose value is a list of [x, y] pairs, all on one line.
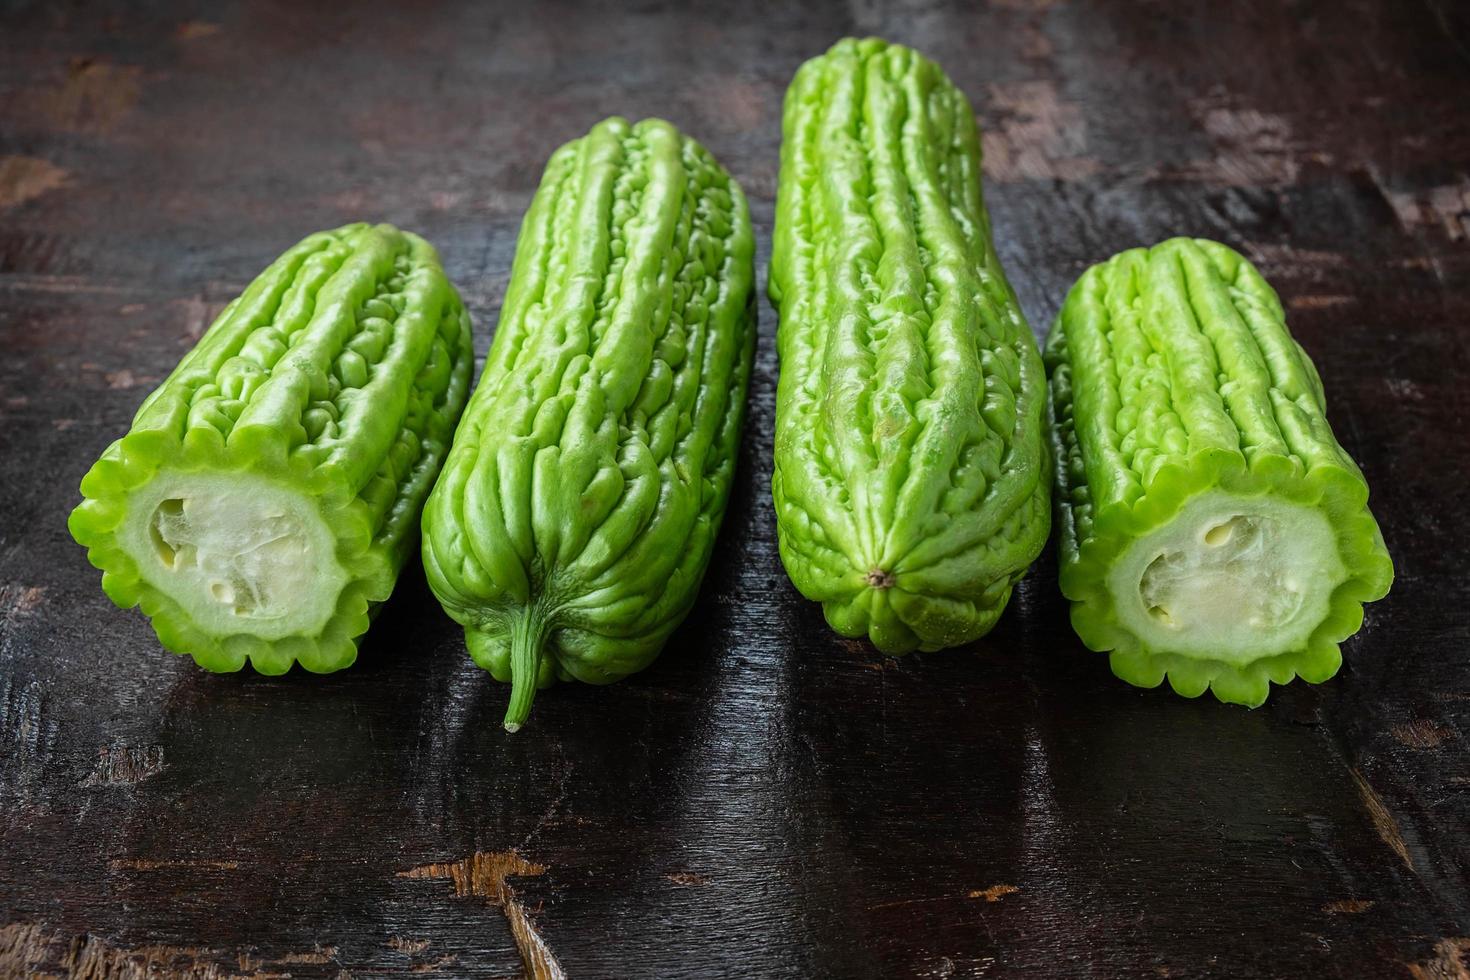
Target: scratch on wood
{"points": [[1347, 906], [167, 864], [448, 959], [687, 878], [994, 893], [1286, 258], [29, 734], [23, 179], [29, 949], [1448, 962], [320, 955], [123, 765], [1446, 206], [1421, 733], [1404, 389], [93, 98], [66, 285], [1383, 822], [193, 30], [483, 875], [1037, 136], [409, 946], [1319, 302], [19, 600], [1252, 148]]}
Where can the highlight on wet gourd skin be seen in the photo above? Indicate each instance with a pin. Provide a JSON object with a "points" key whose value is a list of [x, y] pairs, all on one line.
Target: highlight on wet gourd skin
{"points": [[268, 492], [911, 484], [576, 515], [1212, 529]]}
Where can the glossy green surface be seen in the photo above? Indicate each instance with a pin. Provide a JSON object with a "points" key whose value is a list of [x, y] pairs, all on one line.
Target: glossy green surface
{"points": [[328, 390], [1174, 377], [911, 483], [577, 510]]}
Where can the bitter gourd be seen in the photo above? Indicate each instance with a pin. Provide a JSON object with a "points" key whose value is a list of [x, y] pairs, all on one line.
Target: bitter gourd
{"points": [[575, 516], [911, 484], [1212, 529], [269, 490]]}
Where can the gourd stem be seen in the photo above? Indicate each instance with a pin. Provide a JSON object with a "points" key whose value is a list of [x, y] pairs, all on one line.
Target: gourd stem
{"points": [[527, 636]]}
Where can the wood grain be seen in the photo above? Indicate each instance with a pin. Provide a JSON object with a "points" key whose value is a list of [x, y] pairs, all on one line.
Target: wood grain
{"points": [[767, 800]]}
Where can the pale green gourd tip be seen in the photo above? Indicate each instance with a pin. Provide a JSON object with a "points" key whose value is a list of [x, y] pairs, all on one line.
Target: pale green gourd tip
{"points": [[911, 483], [1213, 532], [574, 519], [527, 640], [267, 494]]}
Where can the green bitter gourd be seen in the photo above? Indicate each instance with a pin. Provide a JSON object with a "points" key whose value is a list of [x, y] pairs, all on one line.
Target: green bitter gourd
{"points": [[1212, 529], [269, 489], [577, 511], [911, 484]]}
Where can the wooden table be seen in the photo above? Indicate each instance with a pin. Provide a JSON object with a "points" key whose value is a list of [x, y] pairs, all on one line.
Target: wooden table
{"points": [[767, 800]]}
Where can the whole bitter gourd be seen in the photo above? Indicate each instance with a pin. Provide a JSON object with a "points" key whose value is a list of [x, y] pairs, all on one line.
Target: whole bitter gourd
{"points": [[911, 484], [269, 490], [577, 511], [1212, 528]]}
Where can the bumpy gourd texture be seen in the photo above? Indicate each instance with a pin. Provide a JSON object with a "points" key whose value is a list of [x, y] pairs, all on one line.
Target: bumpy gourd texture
{"points": [[577, 511], [911, 485], [334, 381], [1173, 376]]}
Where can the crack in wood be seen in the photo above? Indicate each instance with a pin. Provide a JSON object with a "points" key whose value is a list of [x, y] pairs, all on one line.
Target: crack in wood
{"points": [[484, 875]]}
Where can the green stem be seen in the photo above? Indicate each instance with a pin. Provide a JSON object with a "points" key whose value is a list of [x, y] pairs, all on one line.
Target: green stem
{"points": [[527, 637]]}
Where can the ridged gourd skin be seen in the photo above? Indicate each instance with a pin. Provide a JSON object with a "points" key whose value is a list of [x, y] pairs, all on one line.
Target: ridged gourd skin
{"points": [[575, 517], [911, 483], [269, 490], [1211, 527]]}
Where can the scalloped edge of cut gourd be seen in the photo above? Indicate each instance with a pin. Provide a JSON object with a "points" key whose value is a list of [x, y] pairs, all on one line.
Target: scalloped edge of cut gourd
{"points": [[133, 462], [1338, 492]]}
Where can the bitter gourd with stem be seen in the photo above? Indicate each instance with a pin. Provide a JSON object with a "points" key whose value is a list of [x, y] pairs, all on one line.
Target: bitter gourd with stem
{"points": [[269, 490], [1212, 529], [575, 516], [911, 485]]}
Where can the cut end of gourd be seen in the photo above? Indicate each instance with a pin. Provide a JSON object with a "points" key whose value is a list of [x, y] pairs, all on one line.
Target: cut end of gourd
{"points": [[1229, 578], [241, 554]]}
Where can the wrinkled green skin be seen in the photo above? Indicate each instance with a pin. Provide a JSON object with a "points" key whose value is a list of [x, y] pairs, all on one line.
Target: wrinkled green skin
{"points": [[339, 372], [1172, 372], [911, 482], [575, 517]]}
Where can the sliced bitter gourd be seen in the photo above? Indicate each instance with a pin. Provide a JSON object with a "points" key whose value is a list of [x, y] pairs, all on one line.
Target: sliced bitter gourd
{"points": [[911, 484], [269, 490], [579, 506], [1212, 528]]}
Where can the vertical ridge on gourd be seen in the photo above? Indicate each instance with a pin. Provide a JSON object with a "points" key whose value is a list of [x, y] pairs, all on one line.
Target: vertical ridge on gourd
{"points": [[574, 519], [267, 493], [911, 486], [1212, 529]]}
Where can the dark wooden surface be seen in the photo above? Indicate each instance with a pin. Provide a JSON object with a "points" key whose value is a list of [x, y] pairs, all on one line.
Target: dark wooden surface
{"points": [[767, 800]]}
